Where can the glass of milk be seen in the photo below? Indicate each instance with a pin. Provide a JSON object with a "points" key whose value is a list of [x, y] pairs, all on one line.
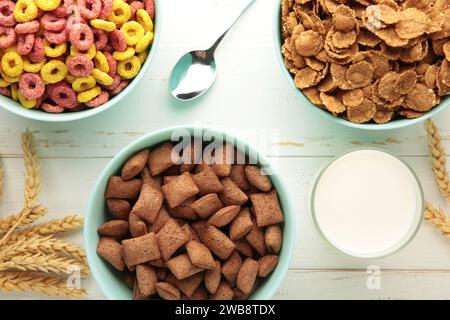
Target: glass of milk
{"points": [[367, 203]]}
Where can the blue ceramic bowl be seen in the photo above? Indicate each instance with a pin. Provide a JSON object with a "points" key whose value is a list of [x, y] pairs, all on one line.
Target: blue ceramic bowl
{"points": [[110, 281], [394, 124], [15, 107]]}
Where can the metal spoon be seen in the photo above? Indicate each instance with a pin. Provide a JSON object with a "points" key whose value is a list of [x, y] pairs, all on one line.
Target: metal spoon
{"points": [[195, 72]]}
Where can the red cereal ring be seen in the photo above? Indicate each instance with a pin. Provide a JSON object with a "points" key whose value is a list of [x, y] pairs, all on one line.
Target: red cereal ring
{"points": [[27, 27], [116, 81], [55, 37], [89, 9], [99, 100], [111, 62], [31, 86], [25, 43], [78, 107], [108, 48], [81, 37], [107, 7], [135, 6], [50, 108], [120, 87], [150, 8], [7, 37], [100, 38], [64, 10], [37, 53], [80, 66], [63, 95], [5, 92], [118, 40], [51, 22], [7, 13]]}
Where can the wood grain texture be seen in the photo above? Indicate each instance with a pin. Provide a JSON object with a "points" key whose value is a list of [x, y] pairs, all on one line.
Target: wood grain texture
{"points": [[251, 93]]}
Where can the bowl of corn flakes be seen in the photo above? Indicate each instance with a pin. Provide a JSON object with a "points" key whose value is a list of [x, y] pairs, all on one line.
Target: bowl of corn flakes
{"points": [[368, 65], [64, 61]]}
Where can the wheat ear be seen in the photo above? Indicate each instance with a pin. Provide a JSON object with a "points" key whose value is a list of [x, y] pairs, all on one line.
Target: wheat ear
{"points": [[44, 263], [438, 218], [47, 245], [7, 223], [29, 281], [438, 161]]}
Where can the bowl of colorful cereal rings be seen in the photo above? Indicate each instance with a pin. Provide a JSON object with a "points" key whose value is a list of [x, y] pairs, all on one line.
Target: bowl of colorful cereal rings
{"points": [[64, 60]]}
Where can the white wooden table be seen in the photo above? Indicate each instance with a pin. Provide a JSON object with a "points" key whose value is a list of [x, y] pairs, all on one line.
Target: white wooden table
{"points": [[251, 92]]}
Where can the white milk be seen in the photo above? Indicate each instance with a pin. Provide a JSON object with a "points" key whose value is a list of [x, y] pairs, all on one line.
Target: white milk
{"points": [[367, 203]]}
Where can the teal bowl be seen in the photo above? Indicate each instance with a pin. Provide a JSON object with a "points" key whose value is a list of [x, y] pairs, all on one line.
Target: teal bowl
{"points": [[110, 281], [15, 107], [394, 124]]}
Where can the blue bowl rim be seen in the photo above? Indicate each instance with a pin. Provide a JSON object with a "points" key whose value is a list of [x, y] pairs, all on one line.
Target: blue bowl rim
{"points": [[270, 284], [394, 124], [17, 109]]}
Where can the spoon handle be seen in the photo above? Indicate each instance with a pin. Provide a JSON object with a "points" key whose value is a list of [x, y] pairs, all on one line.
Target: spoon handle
{"points": [[216, 44]]}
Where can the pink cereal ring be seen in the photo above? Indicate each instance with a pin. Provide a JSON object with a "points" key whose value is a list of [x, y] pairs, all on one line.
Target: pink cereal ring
{"points": [[7, 13], [37, 53], [63, 95], [31, 86], [98, 101], [107, 7], [100, 38], [150, 8], [80, 66], [111, 62], [89, 9], [55, 37], [118, 40], [25, 43], [72, 21], [50, 108], [51, 22], [81, 37], [135, 6], [120, 87], [116, 81], [5, 92], [64, 10], [78, 107], [7, 37], [27, 27]]}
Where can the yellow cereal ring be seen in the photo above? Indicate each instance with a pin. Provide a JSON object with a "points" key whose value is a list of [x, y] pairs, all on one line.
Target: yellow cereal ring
{"points": [[144, 19], [25, 10], [145, 41], [133, 32], [70, 78], [53, 71], [11, 79], [90, 53], [102, 77], [142, 56], [129, 68], [127, 54], [15, 91], [83, 84], [121, 12], [54, 50], [26, 103], [12, 64], [47, 5], [33, 67], [4, 83], [101, 62], [100, 24], [89, 95]]}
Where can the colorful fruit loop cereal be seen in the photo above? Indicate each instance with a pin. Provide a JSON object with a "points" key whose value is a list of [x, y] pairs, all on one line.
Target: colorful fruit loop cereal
{"points": [[69, 55], [369, 60]]}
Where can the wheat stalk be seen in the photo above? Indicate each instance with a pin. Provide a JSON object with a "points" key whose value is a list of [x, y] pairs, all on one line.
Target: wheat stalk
{"points": [[36, 213], [438, 161], [29, 281], [438, 218], [44, 263], [53, 226]]}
